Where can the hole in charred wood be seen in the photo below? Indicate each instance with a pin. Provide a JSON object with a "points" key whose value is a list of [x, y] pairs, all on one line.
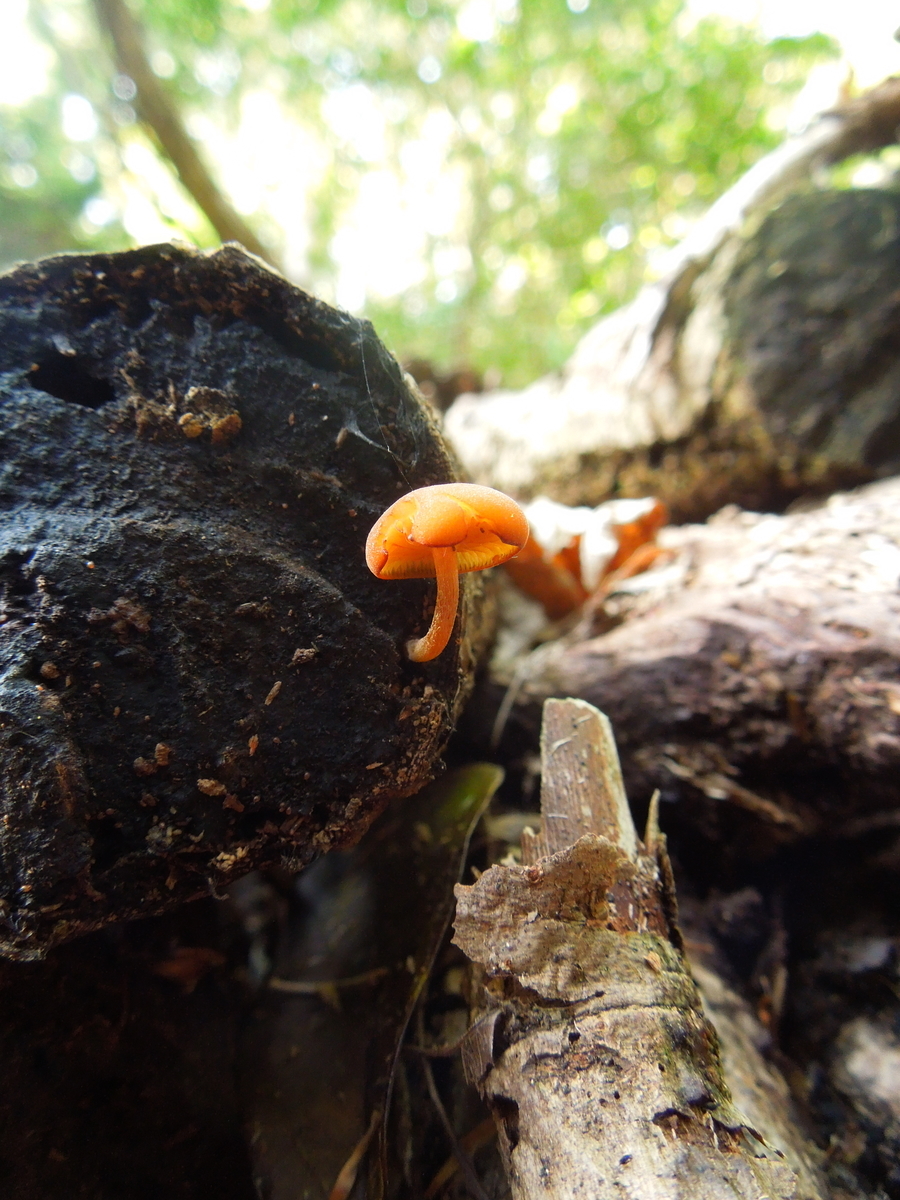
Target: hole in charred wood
{"points": [[506, 1112], [109, 845], [312, 352], [67, 378], [18, 585], [16, 580]]}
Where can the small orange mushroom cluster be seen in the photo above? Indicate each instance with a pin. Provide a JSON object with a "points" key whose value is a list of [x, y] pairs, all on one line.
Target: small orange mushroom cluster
{"points": [[575, 553], [440, 532]]}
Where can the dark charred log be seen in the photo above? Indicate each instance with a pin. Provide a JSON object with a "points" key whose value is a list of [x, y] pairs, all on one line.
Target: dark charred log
{"points": [[198, 674]]}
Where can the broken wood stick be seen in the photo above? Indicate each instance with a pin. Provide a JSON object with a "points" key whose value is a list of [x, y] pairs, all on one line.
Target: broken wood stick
{"points": [[590, 1044]]}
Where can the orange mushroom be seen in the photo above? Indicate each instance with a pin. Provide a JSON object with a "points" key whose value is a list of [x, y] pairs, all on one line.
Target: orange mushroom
{"points": [[439, 532], [575, 553]]}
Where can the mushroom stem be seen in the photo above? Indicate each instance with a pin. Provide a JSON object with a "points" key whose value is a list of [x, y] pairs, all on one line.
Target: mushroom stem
{"points": [[425, 648]]}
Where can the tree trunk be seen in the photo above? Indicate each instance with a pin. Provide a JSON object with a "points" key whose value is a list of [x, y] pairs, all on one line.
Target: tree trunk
{"points": [[159, 113]]}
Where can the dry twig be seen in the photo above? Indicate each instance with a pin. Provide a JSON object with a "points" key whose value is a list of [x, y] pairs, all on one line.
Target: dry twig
{"points": [[600, 1067]]}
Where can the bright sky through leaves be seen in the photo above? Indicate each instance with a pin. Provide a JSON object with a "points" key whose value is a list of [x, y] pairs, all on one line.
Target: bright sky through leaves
{"points": [[24, 62], [482, 178], [864, 29]]}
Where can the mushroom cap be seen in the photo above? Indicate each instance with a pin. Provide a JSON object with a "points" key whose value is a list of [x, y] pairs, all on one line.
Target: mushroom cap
{"points": [[483, 526]]}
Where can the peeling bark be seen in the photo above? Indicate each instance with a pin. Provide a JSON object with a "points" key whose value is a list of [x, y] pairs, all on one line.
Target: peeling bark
{"points": [[592, 1047]]}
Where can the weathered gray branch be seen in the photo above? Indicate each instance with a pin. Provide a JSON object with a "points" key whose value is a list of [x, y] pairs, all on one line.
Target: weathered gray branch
{"points": [[593, 1050], [762, 657]]}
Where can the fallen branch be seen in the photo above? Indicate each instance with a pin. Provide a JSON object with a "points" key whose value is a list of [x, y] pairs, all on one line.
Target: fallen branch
{"points": [[699, 391], [754, 677], [598, 1063]]}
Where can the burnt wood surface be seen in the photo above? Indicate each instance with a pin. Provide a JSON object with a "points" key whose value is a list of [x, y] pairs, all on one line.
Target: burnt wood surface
{"points": [[198, 674]]}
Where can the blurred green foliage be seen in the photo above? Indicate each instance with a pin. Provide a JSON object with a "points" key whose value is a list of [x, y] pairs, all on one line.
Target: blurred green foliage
{"points": [[574, 146]]}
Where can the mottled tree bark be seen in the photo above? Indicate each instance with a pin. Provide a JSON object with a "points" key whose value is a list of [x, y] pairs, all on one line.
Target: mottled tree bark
{"points": [[760, 366]]}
